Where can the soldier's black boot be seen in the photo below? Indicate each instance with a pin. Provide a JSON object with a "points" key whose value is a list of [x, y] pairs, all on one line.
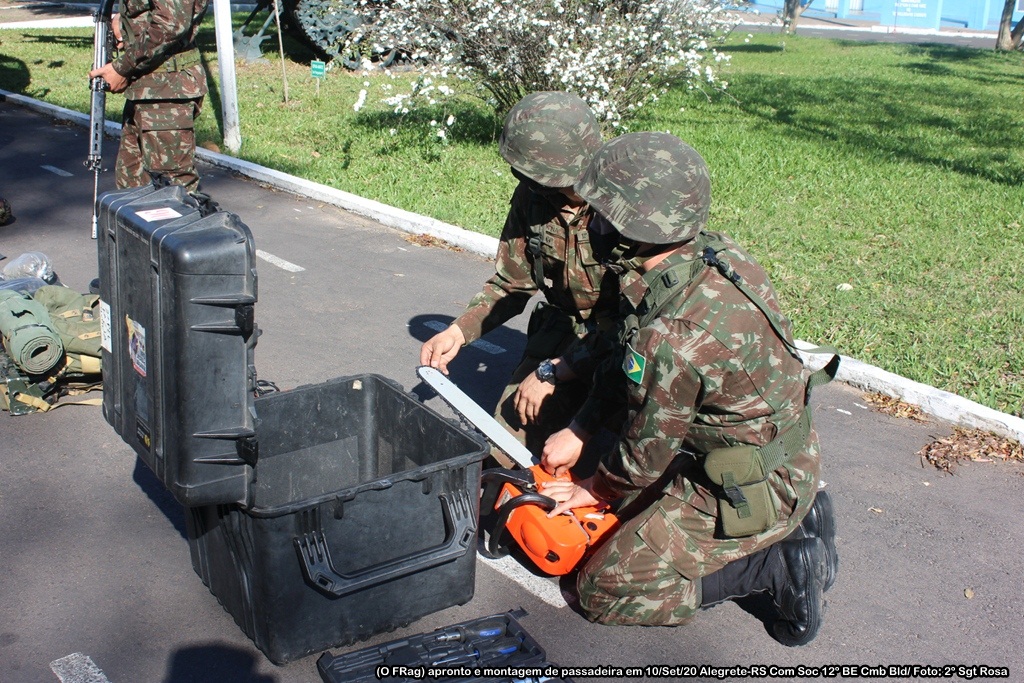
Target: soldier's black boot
{"points": [[738, 579], [820, 522], [798, 577], [793, 571]]}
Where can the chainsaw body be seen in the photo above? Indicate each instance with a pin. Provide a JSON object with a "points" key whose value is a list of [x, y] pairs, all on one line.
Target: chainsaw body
{"points": [[556, 545]]}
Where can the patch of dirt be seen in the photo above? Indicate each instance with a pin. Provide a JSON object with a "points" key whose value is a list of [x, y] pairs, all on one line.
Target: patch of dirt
{"points": [[429, 241], [895, 407], [970, 445]]}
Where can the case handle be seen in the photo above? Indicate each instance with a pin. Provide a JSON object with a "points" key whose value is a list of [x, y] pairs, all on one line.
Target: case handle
{"points": [[315, 556]]}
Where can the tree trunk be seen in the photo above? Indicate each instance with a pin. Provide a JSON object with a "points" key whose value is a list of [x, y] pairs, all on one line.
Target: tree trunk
{"points": [[1009, 39], [791, 11]]}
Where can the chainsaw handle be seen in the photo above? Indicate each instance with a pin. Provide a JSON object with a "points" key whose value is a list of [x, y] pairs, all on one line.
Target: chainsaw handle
{"points": [[493, 549], [460, 532], [492, 480]]}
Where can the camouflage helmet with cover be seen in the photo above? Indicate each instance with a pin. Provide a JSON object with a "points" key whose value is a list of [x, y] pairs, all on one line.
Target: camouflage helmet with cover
{"points": [[550, 137], [653, 187]]}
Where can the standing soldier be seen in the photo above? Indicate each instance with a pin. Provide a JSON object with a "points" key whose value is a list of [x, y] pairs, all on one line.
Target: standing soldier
{"points": [[549, 243], [717, 452], [160, 71]]}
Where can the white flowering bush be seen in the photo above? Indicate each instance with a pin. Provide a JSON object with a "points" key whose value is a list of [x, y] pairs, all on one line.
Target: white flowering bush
{"points": [[615, 54]]}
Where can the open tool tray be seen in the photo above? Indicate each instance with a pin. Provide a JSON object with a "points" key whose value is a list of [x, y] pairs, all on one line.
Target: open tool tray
{"points": [[496, 649]]}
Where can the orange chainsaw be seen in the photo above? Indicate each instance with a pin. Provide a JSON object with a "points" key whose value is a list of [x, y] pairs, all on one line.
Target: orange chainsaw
{"points": [[556, 545]]}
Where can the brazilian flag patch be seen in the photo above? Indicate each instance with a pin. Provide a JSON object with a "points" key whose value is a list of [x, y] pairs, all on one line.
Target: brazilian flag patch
{"points": [[633, 365]]}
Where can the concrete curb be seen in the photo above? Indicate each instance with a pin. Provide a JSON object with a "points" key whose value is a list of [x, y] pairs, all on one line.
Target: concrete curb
{"points": [[935, 402], [67, 22]]}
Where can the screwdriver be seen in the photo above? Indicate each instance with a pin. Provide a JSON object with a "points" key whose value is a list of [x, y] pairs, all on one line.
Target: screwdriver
{"points": [[486, 629], [503, 647]]}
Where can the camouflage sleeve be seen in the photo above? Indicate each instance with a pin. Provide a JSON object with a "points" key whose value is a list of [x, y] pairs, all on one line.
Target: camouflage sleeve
{"points": [[156, 33], [507, 292], [662, 406]]}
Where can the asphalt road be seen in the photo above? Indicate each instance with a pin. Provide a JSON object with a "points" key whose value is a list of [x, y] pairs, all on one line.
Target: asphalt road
{"points": [[94, 562]]}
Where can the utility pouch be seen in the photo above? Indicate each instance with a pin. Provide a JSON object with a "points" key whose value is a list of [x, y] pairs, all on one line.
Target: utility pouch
{"points": [[746, 505], [549, 332]]}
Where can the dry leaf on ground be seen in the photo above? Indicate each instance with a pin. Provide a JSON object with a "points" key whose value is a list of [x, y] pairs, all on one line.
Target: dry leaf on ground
{"points": [[895, 407], [970, 445]]}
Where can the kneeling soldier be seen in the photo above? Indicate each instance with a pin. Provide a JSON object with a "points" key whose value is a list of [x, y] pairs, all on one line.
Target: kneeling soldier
{"points": [[717, 461]]}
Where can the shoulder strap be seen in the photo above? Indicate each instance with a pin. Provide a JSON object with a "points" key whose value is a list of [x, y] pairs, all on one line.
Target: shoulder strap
{"points": [[822, 376], [678, 276], [670, 282], [533, 248]]}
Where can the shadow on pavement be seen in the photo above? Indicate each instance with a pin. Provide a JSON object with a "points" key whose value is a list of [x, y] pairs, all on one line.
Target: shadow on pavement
{"points": [[480, 370], [216, 664], [161, 497]]}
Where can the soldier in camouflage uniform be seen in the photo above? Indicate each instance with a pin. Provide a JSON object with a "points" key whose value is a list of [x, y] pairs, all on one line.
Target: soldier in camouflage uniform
{"points": [[160, 71], [717, 461], [549, 243]]}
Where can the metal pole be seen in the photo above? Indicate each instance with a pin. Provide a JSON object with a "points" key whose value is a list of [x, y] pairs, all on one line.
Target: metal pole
{"points": [[226, 65], [280, 45]]}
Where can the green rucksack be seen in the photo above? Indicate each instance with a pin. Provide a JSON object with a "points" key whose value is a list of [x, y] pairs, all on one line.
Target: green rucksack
{"points": [[75, 319]]}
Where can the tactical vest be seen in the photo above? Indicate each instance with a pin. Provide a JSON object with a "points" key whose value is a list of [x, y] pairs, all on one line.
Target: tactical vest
{"points": [[541, 241], [740, 473]]}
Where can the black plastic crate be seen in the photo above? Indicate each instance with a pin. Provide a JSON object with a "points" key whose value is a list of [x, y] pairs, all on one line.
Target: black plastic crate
{"points": [[363, 519], [485, 649]]}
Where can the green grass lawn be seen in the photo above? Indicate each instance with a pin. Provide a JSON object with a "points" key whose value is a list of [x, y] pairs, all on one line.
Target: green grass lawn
{"points": [[882, 185]]}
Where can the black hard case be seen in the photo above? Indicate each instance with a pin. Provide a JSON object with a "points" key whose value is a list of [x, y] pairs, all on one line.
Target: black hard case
{"points": [[178, 367], [318, 516]]}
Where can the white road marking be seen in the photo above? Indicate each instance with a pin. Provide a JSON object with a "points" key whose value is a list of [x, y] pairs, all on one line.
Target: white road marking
{"points": [[77, 668], [844, 412], [545, 589], [485, 346], [279, 262], [58, 171]]}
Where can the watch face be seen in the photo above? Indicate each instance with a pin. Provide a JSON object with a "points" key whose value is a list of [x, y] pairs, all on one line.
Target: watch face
{"points": [[546, 371]]}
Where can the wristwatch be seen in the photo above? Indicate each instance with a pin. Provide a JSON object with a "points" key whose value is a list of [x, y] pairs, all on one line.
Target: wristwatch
{"points": [[546, 372]]}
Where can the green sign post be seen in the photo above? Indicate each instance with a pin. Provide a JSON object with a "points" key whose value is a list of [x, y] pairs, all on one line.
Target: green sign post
{"points": [[317, 70]]}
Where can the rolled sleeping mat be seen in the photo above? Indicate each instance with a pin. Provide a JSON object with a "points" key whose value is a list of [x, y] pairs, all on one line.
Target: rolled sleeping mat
{"points": [[28, 335]]}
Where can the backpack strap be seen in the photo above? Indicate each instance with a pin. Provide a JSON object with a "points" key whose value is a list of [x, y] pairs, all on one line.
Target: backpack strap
{"points": [[678, 276], [822, 376]]}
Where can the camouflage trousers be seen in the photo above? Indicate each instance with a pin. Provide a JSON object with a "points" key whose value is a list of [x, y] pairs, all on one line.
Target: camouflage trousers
{"points": [[157, 137], [649, 572], [556, 412]]}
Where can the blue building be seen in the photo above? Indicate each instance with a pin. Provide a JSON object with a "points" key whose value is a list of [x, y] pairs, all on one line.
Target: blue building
{"points": [[981, 15]]}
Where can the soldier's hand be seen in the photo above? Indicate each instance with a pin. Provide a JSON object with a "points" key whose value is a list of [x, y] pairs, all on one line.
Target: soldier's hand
{"points": [[115, 81], [530, 397], [562, 449], [440, 349], [569, 495]]}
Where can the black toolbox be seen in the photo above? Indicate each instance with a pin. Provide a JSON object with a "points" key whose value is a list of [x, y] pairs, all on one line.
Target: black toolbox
{"points": [[496, 649], [317, 516]]}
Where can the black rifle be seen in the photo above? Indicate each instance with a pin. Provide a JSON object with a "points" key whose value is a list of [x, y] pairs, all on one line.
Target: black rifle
{"points": [[103, 36]]}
